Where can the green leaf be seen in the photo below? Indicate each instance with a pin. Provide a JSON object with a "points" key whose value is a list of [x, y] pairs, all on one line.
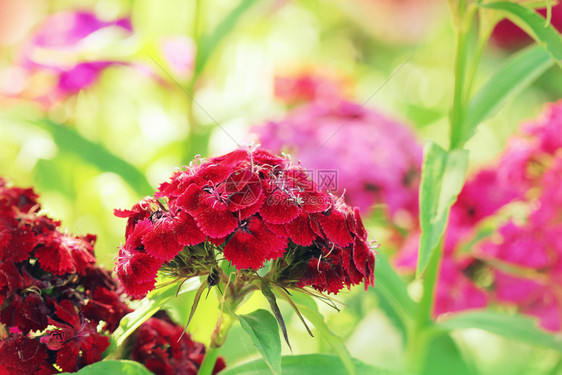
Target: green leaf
{"points": [[264, 332], [513, 327], [533, 23], [442, 179], [122, 367], [150, 305], [268, 294], [309, 364], [309, 310], [210, 42], [70, 140], [392, 289], [444, 357], [520, 71]]}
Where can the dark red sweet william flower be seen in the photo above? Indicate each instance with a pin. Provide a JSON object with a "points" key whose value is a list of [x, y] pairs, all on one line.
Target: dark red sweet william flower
{"points": [[56, 303], [250, 207], [165, 349], [76, 340]]}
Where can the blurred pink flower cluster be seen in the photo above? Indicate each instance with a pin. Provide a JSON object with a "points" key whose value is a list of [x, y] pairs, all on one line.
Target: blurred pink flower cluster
{"points": [[519, 263], [373, 159], [68, 51]]}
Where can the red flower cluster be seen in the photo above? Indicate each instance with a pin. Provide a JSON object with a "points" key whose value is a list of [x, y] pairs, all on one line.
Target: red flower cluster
{"points": [[165, 349], [251, 206], [48, 279]]}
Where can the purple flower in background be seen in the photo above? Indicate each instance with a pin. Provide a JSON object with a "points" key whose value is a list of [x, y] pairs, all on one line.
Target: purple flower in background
{"points": [[56, 46], [373, 159], [65, 30]]}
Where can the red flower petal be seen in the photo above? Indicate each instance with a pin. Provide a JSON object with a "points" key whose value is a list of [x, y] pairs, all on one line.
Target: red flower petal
{"points": [[335, 226], [162, 242], [279, 208], [187, 231], [300, 230], [253, 244], [136, 271], [215, 219]]}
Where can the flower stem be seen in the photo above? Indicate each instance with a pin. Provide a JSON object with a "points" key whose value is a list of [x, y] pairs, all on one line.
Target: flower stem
{"points": [[420, 336], [209, 361]]}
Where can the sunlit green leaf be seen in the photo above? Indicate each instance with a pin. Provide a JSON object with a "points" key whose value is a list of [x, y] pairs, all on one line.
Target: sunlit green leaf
{"points": [[442, 179], [70, 140], [309, 310], [209, 42], [264, 332], [392, 288], [122, 367], [513, 327], [309, 364], [520, 71], [150, 305]]}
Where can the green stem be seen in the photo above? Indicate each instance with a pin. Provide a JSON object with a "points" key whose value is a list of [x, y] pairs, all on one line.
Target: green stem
{"points": [[420, 336], [457, 110], [209, 361]]}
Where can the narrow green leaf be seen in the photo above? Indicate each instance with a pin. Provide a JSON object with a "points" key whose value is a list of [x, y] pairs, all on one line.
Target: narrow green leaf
{"points": [[513, 327], [532, 22], [520, 71], [151, 304], [195, 303], [264, 332], [210, 42], [309, 364], [309, 310], [70, 140], [442, 179], [123, 367], [392, 288], [268, 294]]}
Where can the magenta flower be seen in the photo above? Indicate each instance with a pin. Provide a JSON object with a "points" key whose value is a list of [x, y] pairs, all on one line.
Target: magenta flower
{"points": [[521, 261], [373, 159], [56, 45], [252, 207]]}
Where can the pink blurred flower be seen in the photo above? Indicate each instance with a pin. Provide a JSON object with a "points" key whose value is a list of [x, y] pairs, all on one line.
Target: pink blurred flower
{"points": [[54, 62], [309, 85], [373, 159], [179, 52], [523, 256]]}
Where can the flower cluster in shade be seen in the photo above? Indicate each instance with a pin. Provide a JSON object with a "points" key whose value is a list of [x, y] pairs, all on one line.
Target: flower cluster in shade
{"points": [[165, 349], [250, 207], [503, 240], [507, 35], [57, 307], [52, 294], [349, 148]]}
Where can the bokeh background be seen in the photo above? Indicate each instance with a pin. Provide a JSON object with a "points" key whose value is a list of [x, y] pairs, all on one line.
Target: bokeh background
{"points": [[101, 100]]}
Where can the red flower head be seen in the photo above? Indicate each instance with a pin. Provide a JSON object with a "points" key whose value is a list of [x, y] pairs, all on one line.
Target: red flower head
{"points": [[49, 278], [252, 207]]}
